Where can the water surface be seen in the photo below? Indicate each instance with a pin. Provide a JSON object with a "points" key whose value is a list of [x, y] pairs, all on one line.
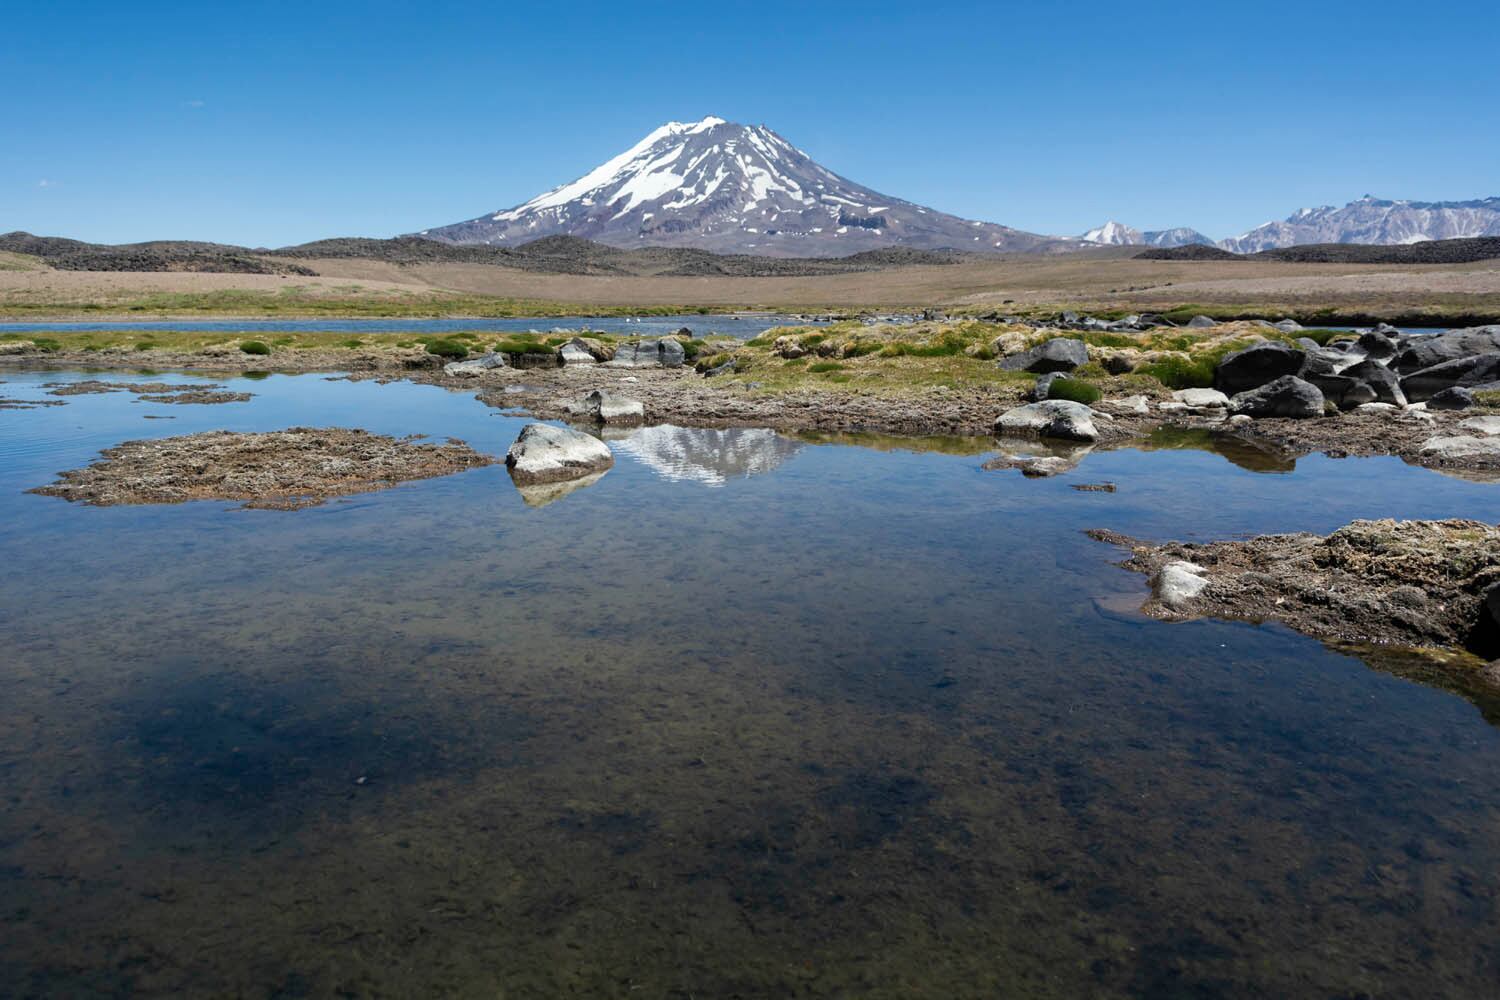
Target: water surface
{"points": [[749, 715], [742, 325]]}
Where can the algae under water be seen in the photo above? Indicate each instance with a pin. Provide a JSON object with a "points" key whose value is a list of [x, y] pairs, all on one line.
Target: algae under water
{"points": [[747, 715]]}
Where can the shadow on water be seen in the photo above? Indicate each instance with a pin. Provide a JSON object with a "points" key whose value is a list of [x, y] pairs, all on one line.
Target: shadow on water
{"points": [[860, 720], [227, 751]]}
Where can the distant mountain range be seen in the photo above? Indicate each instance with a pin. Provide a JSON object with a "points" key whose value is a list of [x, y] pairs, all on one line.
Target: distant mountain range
{"points": [[1115, 234], [1369, 220], [715, 185], [1375, 220]]}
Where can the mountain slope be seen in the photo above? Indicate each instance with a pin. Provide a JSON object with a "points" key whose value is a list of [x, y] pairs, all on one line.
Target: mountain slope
{"points": [[1374, 220], [730, 188], [1114, 234]]}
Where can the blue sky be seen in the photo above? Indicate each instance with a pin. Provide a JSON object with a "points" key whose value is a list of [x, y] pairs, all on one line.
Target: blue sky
{"points": [[274, 123]]}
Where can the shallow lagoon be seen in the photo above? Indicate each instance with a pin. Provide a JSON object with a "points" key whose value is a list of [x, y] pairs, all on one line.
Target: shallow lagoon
{"points": [[749, 715], [742, 325]]}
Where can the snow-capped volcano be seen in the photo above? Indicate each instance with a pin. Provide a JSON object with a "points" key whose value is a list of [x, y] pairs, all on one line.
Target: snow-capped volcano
{"points": [[730, 188]]}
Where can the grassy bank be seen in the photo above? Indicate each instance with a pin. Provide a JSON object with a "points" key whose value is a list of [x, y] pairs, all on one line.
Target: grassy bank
{"points": [[298, 302], [1461, 311]]}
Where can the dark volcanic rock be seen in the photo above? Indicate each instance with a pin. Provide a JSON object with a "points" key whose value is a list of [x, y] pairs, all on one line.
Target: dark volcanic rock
{"points": [[1256, 366], [1470, 371], [1287, 396], [1378, 344], [1424, 352], [1060, 354], [1377, 376], [1454, 398], [1345, 392]]}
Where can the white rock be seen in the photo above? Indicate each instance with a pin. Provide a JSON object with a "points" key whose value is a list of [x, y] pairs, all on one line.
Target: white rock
{"points": [[1488, 426], [1376, 408], [1201, 398], [1060, 418], [1173, 406], [1176, 583], [547, 454], [1459, 446], [1239, 419], [1130, 404], [475, 367]]}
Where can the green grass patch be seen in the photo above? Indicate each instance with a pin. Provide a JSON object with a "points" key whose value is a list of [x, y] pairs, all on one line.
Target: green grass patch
{"points": [[144, 345], [254, 347], [448, 349], [947, 345], [523, 345], [1075, 389], [1181, 373], [825, 366]]}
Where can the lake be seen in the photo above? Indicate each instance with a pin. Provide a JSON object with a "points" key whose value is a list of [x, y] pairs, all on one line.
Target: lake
{"points": [[751, 715], [742, 325]]}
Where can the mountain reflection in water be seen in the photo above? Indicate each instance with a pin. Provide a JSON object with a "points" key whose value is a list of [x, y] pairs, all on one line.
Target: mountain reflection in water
{"points": [[711, 456]]}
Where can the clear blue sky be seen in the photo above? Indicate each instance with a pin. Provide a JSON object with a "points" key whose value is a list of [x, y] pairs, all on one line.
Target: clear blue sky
{"points": [[273, 123]]}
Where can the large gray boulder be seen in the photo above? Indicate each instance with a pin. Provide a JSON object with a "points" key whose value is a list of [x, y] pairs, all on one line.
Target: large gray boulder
{"points": [[1256, 366], [1056, 418], [1287, 396], [1423, 352], [1386, 383], [576, 352], [1287, 325], [1202, 322], [1464, 372], [547, 454], [663, 353], [1060, 354]]}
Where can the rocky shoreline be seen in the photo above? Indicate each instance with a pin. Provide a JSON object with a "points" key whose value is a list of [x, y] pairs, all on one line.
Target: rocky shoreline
{"points": [[1430, 400], [1411, 583]]}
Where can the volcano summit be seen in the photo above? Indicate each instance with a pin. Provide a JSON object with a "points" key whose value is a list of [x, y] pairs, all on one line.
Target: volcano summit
{"points": [[730, 188]]}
